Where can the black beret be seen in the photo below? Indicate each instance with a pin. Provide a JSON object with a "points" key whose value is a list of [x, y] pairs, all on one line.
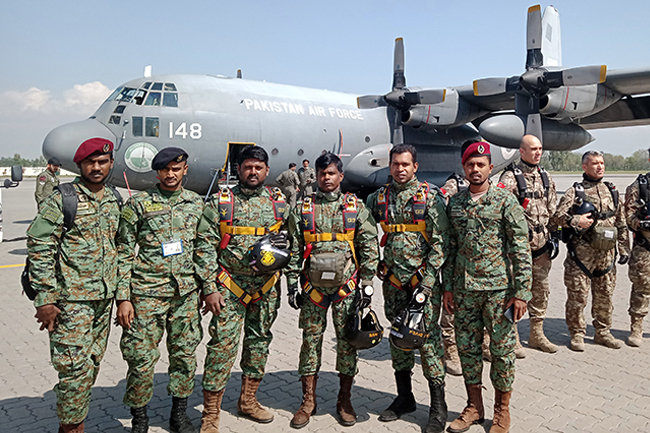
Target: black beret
{"points": [[54, 161], [167, 155]]}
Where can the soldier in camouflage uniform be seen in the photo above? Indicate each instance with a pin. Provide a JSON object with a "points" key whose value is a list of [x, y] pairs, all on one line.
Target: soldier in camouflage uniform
{"points": [[590, 262], [250, 299], [47, 180], [325, 215], [290, 184], [637, 214], [413, 254], [307, 177], [158, 290], [74, 273], [539, 200], [488, 271]]}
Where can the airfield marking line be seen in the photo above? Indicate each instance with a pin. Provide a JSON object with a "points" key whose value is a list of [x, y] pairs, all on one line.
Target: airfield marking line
{"points": [[11, 266]]}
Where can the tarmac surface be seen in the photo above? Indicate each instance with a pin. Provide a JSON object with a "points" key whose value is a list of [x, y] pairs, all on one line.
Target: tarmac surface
{"points": [[599, 390]]}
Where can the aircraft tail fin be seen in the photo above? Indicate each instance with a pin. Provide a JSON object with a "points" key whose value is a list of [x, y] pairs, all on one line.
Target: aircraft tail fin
{"points": [[551, 37]]}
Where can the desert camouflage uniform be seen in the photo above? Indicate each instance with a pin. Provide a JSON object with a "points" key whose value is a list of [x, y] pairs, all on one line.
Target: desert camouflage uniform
{"points": [[489, 238], [307, 178], [578, 284], [639, 271], [80, 280], [328, 218], [163, 290], [45, 184], [404, 253], [289, 182], [252, 208]]}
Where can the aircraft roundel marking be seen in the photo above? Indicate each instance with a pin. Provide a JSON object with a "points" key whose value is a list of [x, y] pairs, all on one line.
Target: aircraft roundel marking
{"points": [[138, 156], [507, 153]]}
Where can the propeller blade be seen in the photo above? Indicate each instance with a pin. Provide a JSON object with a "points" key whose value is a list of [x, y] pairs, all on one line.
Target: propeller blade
{"points": [[399, 80], [577, 76], [534, 57], [238, 73], [534, 125], [490, 86], [425, 97], [370, 101], [398, 135]]}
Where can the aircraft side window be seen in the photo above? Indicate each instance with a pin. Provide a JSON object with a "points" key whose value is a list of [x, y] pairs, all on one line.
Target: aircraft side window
{"points": [[170, 87], [119, 109], [115, 120], [136, 126], [151, 126], [153, 99], [157, 86], [146, 85], [170, 100]]}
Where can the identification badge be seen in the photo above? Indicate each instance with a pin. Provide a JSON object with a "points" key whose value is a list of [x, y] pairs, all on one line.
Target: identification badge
{"points": [[171, 248]]}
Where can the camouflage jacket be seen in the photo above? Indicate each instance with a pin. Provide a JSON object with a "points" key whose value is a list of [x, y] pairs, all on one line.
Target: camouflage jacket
{"points": [[288, 179], [598, 194], [45, 183], [252, 208], [306, 176], [540, 207], [633, 207], [328, 218], [450, 188], [81, 265], [489, 248], [148, 220], [405, 252]]}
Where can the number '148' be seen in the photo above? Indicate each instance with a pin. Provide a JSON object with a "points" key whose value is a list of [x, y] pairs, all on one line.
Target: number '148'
{"points": [[182, 130]]}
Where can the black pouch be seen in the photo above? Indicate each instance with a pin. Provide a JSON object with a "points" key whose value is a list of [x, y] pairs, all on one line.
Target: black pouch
{"points": [[24, 281]]}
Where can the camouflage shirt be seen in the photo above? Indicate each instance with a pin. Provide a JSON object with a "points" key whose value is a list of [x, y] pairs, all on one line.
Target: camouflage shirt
{"points": [[45, 183], [405, 252], [86, 266], [633, 207], [150, 220], [489, 238], [598, 194], [540, 206], [288, 179], [450, 188], [306, 176], [252, 208], [328, 218]]}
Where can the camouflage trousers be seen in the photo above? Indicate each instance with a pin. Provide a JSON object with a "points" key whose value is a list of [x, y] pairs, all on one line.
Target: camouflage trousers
{"points": [[578, 286], [225, 333], [291, 194], [77, 346], [639, 274], [431, 353], [540, 288], [447, 328], [180, 317], [474, 311], [313, 321]]}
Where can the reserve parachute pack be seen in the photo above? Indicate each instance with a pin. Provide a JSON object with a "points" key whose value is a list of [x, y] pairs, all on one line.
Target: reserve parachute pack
{"points": [[70, 201]]}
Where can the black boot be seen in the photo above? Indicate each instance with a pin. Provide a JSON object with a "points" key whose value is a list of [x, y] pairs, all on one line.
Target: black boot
{"points": [[179, 422], [438, 409], [140, 421], [405, 400]]}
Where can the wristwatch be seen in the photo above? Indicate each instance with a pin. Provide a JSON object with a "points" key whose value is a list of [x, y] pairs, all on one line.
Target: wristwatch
{"points": [[368, 290]]}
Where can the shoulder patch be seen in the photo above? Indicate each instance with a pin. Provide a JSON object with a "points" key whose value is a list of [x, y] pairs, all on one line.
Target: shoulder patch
{"points": [[501, 185], [128, 215], [42, 179], [52, 215]]}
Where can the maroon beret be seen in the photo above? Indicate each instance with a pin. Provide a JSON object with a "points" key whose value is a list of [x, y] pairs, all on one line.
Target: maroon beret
{"points": [[96, 145], [480, 148]]}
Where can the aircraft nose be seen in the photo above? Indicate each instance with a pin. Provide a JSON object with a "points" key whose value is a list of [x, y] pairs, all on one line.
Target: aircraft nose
{"points": [[64, 140]]}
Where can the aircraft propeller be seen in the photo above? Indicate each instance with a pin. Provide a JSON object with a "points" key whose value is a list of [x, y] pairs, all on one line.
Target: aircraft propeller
{"points": [[401, 98], [537, 80]]}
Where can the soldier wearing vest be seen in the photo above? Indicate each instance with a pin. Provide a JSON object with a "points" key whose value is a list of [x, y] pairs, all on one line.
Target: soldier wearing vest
{"points": [[487, 284], [412, 216], [307, 177], [74, 273], [47, 180], [535, 190], [290, 183], [158, 289], [233, 221], [337, 240], [637, 214], [592, 249]]}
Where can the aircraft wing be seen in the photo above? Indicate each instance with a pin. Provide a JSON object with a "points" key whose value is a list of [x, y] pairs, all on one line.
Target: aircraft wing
{"points": [[501, 102]]}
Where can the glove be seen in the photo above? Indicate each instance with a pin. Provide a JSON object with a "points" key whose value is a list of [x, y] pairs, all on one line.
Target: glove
{"points": [[644, 225], [623, 259], [364, 296], [280, 240], [295, 298]]}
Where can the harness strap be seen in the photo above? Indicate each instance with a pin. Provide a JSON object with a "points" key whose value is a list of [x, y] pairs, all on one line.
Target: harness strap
{"points": [[597, 273], [641, 241], [242, 230], [322, 300], [419, 211], [224, 278], [412, 282], [540, 251]]}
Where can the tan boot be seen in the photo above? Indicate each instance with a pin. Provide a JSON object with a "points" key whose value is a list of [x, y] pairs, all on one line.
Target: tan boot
{"points": [[248, 406], [451, 359], [520, 352], [308, 406], [604, 338], [537, 339], [211, 411], [347, 415], [72, 428], [501, 420], [636, 337], [473, 412], [485, 346], [577, 343]]}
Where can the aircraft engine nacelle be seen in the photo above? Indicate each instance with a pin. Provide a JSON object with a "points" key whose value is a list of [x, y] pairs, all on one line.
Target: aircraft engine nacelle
{"points": [[369, 168], [573, 102], [454, 111], [507, 130]]}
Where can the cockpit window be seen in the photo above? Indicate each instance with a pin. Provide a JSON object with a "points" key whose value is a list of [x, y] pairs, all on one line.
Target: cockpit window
{"points": [[126, 94], [157, 86], [153, 99], [170, 87], [170, 100], [119, 109], [114, 94]]}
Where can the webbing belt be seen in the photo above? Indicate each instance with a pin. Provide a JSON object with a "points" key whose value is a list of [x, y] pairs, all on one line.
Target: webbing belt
{"points": [[324, 301], [242, 230], [421, 227], [245, 298]]}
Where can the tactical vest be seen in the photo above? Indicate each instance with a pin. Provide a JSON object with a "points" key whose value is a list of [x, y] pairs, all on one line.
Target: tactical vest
{"points": [[419, 212], [523, 193]]}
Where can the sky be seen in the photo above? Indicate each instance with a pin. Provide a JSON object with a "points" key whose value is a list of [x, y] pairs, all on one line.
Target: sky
{"points": [[60, 60]]}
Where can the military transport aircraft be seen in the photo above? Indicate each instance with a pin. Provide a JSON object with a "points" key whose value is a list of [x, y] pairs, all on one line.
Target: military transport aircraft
{"points": [[213, 117]]}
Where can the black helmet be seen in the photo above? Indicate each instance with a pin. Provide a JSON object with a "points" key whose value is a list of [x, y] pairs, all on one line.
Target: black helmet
{"points": [[270, 253], [584, 208], [363, 332], [408, 331]]}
